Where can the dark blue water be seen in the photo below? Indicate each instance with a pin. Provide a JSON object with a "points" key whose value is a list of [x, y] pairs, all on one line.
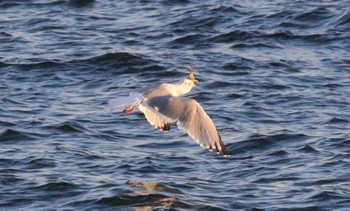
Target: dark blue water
{"points": [[274, 76]]}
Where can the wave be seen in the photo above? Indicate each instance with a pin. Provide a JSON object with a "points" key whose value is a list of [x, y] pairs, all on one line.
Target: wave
{"points": [[162, 145], [58, 186], [81, 3], [71, 3], [233, 36], [254, 45], [115, 59], [309, 149], [335, 120], [226, 9], [69, 127], [255, 39], [14, 135], [147, 200], [154, 186], [39, 163], [315, 15], [327, 195], [193, 39], [344, 20], [262, 67], [152, 202], [257, 142], [120, 62]]}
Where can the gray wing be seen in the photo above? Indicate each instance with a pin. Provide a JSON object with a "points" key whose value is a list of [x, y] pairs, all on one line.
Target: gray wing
{"points": [[191, 118], [154, 118]]}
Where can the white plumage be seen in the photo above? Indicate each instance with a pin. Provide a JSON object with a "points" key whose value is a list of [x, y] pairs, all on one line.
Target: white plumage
{"points": [[163, 106]]}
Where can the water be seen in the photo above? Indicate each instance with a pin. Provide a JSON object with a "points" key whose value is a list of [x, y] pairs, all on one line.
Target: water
{"points": [[274, 77]]}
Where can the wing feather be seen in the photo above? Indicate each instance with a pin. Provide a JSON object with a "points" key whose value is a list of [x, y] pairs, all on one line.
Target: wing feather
{"points": [[201, 128], [153, 118], [190, 117]]}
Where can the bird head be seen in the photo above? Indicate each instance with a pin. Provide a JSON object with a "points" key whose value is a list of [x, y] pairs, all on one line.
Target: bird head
{"points": [[190, 78]]}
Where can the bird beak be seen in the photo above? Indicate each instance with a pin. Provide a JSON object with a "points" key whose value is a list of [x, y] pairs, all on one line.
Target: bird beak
{"points": [[194, 82]]}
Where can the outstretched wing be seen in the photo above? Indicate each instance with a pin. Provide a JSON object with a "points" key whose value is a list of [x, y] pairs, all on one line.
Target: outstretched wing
{"points": [[191, 118]]}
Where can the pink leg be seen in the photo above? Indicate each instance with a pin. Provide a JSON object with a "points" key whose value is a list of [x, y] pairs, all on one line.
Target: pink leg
{"points": [[128, 110]]}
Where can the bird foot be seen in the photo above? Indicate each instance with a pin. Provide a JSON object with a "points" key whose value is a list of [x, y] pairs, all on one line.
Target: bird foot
{"points": [[128, 110]]}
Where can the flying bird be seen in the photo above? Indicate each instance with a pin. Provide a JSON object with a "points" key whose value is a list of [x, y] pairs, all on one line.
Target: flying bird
{"points": [[164, 105]]}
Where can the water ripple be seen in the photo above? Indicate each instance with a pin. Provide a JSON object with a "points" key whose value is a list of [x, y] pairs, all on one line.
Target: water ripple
{"points": [[272, 76]]}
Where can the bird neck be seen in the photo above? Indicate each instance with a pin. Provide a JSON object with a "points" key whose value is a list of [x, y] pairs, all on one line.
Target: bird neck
{"points": [[182, 88]]}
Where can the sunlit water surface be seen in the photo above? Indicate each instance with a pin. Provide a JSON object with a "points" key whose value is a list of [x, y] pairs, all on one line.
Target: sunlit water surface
{"points": [[273, 75]]}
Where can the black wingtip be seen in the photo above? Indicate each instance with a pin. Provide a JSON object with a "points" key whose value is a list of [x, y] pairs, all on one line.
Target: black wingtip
{"points": [[224, 151], [219, 149], [223, 148]]}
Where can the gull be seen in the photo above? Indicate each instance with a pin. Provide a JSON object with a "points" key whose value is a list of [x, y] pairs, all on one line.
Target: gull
{"points": [[164, 105]]}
